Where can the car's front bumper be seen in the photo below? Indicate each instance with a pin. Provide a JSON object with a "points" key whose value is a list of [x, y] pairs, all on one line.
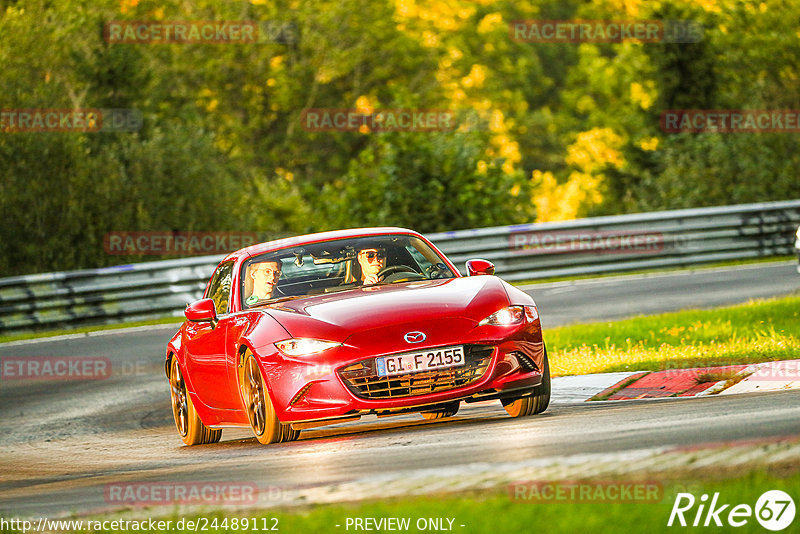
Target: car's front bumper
{"points": [[510, 361]]}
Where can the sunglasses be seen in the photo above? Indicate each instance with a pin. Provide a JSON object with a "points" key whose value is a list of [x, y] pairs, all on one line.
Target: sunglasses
{"points": [[371, 254]]}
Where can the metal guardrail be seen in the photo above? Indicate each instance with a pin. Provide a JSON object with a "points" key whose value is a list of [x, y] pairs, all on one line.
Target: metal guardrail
{"points": [[629, 242], [520, 252]]}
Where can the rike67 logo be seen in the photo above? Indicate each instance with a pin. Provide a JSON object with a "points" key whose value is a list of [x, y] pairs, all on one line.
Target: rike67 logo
{"points": [[774, 510]]}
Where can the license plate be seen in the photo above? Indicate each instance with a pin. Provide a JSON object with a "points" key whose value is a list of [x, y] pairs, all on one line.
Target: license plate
{"points": [[424, 360]]}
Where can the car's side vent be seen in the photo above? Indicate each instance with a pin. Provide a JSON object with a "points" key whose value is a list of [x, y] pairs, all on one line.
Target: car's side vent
{"points": [[300, 394], [525, 362]]}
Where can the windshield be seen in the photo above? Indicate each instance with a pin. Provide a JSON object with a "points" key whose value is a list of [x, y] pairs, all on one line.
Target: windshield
{"points": [[338, 265]]}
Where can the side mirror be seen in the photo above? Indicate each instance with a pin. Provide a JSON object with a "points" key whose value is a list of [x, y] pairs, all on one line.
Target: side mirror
{"points": [[202, 311], [476, 267]]}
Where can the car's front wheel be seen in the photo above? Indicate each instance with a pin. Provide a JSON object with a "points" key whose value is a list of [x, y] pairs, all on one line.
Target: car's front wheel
{"points": [[534, 403], [255, 399], [190, 427]]}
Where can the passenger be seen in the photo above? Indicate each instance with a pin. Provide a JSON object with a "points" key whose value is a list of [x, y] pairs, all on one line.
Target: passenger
{"points": [[265, 278]]}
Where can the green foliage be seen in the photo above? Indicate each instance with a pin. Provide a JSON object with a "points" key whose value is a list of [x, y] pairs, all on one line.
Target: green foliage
{"points": [[428, 182], [223, 148]]}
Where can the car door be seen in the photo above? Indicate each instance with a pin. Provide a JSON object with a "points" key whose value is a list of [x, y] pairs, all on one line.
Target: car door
{"points": [[206, 361]]}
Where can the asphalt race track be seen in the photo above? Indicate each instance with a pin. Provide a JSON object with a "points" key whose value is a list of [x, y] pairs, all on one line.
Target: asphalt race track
{"points": [[63, 442]]}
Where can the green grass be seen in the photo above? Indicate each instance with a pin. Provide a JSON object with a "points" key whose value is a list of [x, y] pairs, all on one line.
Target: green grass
{"points": [[495, 511], [747, 333]]}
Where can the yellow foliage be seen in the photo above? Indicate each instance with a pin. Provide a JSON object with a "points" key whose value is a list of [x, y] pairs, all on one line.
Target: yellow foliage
{"points": [[323, 75], [430, 39], [442, 14], [595, 149], [591, 153], [506, 147], [364, 105], [561, 202], [127, 5], [475, 78], [286, 175], [457, 95], [629, 7], [641, 96], [710, 5], [490, 22], [406, 8], [650, 143]]}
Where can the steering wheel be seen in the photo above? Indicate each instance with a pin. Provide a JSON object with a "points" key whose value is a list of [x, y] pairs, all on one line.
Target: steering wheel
{"points": [[391, 269]]}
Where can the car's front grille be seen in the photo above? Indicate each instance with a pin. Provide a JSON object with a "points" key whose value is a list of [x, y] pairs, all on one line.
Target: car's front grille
{"points": [[363, 380]]}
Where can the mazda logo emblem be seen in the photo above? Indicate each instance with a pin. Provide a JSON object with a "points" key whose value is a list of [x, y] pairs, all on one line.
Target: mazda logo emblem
{"points": [[414, 337]]}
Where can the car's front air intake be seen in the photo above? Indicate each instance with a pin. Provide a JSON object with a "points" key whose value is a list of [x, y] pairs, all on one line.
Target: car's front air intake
{"points": [[363, 380]]}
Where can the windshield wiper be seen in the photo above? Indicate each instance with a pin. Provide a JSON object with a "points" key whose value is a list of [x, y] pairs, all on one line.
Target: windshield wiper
{"points": [[284, 299], [264, 302]]}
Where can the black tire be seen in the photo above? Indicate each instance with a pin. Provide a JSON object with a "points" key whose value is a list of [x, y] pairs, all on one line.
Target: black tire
{"points": [[190, 428], [449, 411], [534, 403], [258, 406]]}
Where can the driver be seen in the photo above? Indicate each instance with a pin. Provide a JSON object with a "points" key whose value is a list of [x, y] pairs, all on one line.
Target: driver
{"points": [[265, 277], [371, 260]]}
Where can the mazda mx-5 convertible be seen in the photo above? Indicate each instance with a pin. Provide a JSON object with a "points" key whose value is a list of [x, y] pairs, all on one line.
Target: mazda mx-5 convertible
{"points": [[319, 329]]}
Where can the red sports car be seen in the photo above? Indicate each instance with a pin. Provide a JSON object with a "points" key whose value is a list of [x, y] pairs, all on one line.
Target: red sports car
{"points": [[319, 329]]}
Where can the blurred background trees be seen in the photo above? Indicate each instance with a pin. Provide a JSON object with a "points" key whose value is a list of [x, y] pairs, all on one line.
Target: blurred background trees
{"points": [[554, 130]]}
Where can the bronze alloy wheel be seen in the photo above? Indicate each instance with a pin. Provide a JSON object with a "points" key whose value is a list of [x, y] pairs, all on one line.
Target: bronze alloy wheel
{"points": [[255, 399], [537, 401], [179, 408], [190, 427]]}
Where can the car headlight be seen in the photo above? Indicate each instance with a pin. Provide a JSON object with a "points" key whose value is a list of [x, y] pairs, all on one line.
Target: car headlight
{"points": [[506, 317], [304, 346]]}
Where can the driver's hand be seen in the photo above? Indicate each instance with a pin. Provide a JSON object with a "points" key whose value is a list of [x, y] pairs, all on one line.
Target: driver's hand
{"points": [[370, 279]]}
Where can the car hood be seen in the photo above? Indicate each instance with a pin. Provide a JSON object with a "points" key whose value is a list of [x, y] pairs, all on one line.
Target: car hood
{"points": [[335, 316]]}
